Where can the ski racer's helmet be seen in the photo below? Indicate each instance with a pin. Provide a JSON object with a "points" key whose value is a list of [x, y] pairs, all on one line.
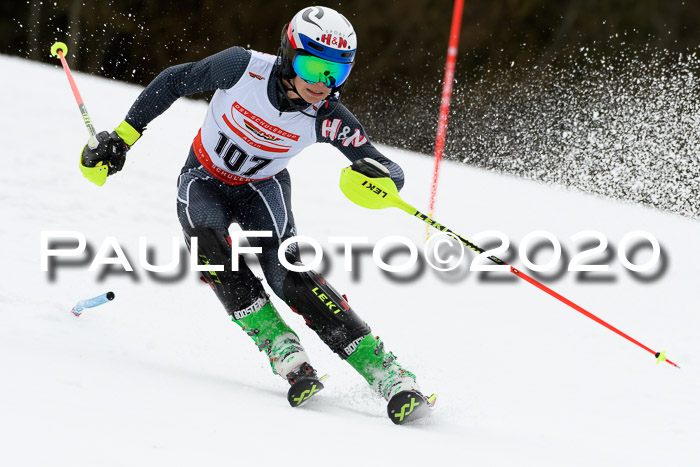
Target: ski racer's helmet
{"points": [[318, 45]]}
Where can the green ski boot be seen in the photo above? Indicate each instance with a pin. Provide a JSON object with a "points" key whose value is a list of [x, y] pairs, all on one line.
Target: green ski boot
{"points": [[386, 376], [286, 355]]}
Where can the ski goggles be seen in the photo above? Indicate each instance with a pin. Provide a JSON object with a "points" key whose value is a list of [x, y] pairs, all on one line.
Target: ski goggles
{"points": [[317, 70]]}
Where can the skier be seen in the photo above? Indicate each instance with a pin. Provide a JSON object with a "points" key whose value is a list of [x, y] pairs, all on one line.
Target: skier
{"points": [[265, 110]]}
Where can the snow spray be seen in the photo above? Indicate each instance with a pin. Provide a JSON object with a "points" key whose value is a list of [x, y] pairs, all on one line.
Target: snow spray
{"points": [[92, 302]]}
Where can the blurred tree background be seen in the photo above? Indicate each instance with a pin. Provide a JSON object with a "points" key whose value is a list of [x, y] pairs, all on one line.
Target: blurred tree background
{"points": [[518, 60], [402, 44]]}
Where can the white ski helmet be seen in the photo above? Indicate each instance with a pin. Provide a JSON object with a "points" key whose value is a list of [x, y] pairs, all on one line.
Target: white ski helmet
{"points": [[323, 33]]}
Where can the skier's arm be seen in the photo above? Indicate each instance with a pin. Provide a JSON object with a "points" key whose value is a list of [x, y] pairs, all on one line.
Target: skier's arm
{"points": [[344, 131], [218, 71]]}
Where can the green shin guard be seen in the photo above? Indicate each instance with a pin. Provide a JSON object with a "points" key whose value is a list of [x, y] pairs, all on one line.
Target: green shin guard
{"points": [[272, 335], [380, 368]]}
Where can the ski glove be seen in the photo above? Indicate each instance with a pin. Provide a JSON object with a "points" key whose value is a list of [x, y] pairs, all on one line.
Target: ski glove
{"points": [[110, 151], [110, 154], [370, 168], [383, 168]]}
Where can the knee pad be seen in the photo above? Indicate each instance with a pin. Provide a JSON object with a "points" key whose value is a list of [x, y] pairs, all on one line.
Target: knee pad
{"points": [[325, 311], [239, 291]]}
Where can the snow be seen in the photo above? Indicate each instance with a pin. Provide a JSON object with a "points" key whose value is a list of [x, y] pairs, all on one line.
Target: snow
{"points": [[160, 376], [620, 124]]}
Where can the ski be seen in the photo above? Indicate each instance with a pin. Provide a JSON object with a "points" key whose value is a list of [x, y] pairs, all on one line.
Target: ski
{"points": [[304, 389], [408, 406]]}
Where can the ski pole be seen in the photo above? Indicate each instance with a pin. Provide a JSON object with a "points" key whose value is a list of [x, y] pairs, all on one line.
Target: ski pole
{"points": [[380, 193], [58, 50], [92, 302]]}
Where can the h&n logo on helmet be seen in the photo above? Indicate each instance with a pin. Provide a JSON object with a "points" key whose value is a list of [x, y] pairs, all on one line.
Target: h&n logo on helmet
{"points": [[330, 39]]}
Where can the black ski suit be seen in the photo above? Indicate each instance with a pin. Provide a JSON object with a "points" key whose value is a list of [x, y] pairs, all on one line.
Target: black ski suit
{"points": [[207, 206]]}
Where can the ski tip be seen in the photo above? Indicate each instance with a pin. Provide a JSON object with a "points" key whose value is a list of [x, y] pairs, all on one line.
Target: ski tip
{"points": [[409, 406], [304, 390], [432, 399]]}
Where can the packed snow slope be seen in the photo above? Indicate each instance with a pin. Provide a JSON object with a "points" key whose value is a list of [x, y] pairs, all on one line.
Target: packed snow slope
{"points": [[162, 377]]}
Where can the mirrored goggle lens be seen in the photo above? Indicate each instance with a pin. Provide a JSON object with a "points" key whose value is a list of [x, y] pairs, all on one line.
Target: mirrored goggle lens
{"points": [[314, 70]]}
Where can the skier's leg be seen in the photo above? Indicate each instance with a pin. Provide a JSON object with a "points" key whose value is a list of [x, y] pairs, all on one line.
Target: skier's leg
{"points": [[329, 314], [203, 210], [308, 294], [269, 208], [336, 323]]}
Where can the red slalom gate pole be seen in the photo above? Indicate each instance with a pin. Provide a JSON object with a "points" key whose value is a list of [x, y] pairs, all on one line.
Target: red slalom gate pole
{"points": [[446, 96], [58, 50]]}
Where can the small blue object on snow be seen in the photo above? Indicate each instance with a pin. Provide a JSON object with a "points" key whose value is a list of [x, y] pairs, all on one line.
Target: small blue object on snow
{"points": [[92, 302]]}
